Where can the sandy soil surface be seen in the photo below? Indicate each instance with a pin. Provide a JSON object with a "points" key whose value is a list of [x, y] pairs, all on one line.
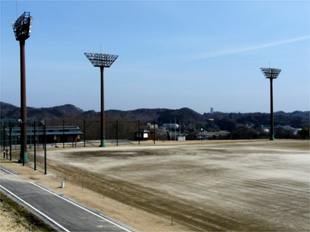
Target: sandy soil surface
{"points": [[209, 186]]}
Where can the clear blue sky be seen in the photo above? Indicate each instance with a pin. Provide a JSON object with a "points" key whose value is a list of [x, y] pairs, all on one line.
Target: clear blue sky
{"points": [[172, 54]]}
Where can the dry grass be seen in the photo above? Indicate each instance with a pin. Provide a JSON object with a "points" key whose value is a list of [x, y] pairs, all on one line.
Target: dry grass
{"points": [[14, 217]]}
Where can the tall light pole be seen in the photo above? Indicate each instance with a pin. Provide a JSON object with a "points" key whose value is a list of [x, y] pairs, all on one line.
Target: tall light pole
{"points": [[22, 31], [271, 73], [102, 61]]}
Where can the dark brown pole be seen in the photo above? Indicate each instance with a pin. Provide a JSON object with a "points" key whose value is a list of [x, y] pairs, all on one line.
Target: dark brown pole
{"points": [[3, 138], [44, 147], [271, 111], [154, 132], [102, 108], [63, 133], [23, 154], [116, 132], [11, 141], [139, 138], [34, 146], [84, 125]]}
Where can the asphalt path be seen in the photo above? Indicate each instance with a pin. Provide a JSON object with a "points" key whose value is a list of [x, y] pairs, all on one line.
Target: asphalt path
{"points": [[59, 211]]}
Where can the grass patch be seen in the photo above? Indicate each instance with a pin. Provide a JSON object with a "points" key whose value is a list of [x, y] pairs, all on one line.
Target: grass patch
{"points": [[22, 215]]}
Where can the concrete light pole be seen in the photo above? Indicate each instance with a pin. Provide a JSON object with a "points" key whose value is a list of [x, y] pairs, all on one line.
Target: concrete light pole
{"points": [[271, 73], [22, 31], [102, 61]]}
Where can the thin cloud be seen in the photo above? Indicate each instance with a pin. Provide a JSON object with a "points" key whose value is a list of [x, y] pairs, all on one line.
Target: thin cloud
{"points": [[245, 49]]}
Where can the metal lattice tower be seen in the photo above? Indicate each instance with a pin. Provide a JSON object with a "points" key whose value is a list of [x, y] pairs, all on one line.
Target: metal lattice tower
{"points": [[102, 61], [271, 73]]}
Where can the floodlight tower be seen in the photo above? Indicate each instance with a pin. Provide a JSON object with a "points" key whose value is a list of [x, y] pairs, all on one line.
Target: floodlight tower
{"points": [[22, 31], [271, 73], [102, 61]]}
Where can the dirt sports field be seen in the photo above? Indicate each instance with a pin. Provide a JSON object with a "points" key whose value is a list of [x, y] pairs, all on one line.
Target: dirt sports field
{"points": [[210, 186]]}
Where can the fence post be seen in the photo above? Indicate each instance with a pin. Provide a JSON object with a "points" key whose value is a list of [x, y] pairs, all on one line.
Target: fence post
{"points": [[11, 141], [139, 138], [116, 132], [84, 133], [3, 138], [44, 138], [154, 132], [175, 129], [34, 146], [21, 128], [63, 133]]}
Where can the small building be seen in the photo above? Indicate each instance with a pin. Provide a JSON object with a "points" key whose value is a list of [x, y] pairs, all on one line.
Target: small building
{"points": [[59, 134], [176, 136], [54, 134], [151, 126], [143, 134]]}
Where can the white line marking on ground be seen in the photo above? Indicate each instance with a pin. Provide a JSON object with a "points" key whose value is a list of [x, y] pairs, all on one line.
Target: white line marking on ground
{"points": [[8, 171], [123, 228], [34, 208]]}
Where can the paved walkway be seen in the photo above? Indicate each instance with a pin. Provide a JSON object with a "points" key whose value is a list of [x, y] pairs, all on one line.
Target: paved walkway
{"points": [[62, 213]]}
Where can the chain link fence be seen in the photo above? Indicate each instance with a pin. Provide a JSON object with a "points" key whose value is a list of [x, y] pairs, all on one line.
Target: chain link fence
{"points": [[78, 133]]}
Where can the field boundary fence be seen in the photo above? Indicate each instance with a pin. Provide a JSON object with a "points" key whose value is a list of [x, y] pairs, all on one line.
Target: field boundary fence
{"points": [[79, 133]]}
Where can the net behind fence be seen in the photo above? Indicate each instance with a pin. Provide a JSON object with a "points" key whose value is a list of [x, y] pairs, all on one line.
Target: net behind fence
{"points": [[78, 132]]}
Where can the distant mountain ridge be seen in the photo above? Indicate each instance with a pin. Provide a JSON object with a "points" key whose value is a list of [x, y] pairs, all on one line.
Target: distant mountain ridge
{"points": [[214, 121], [159, 114], [9, 111], [13, 112]]}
